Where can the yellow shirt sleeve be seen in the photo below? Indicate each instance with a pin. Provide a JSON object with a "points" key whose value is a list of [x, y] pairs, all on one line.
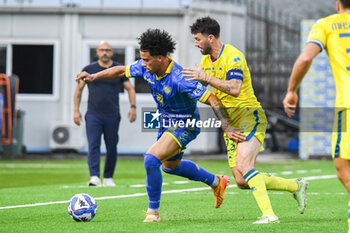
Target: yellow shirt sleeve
{"points": [[205, 96], [127, 71], [318, 34]]}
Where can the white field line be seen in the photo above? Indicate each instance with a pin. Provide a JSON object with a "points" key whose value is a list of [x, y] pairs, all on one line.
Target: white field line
{"points": [[185, 182], [144, 194], [38, 165]]}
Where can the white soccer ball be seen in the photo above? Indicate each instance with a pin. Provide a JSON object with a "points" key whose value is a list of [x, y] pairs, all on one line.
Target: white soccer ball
{"points": [[82, 207]]}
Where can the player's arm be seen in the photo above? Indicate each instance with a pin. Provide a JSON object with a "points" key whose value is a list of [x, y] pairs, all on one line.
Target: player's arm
{"points": [[77, 99], [232, 87], [107, 74], [219, 110], [132, 100], [300, 68]]}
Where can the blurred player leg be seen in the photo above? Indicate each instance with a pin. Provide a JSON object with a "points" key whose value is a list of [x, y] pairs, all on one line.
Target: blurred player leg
{"points": [[298, 187], [341, 149], [163, 149], [246, 154], [343, 173], [192, 171]]}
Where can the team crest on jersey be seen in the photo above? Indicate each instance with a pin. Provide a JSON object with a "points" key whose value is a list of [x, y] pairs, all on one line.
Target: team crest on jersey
{"points": [[167, 90], [220, 73], [160, 98]]}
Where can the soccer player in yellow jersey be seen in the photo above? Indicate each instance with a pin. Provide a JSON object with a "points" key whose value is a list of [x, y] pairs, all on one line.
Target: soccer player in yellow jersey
{"points": [[331, 33], [224, 68]]}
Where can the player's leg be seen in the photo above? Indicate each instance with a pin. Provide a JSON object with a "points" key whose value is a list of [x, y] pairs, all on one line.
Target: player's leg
{"points": [[162, 150], [192, 171], [188, 169], [343, 173], [341, 150], [231, 147], [185, 168], [110, 133], [246, 155], [94, 131], [255, 123]]}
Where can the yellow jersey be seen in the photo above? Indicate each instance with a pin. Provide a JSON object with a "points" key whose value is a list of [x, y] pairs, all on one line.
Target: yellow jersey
{"points": [[332, 33], [231, 64]]}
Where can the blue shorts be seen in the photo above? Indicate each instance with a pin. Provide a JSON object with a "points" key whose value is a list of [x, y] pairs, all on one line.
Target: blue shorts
{"points": [[182, 136]]}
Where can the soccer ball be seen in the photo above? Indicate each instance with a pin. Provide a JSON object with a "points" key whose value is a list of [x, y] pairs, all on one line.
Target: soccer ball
{"points": [[82, 207]]}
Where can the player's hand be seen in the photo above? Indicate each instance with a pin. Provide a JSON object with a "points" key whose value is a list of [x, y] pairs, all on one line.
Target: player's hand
{"points": [[132, 114], [195, 74], [84, 76], [77, 118], [235, 135], [290, 103]]}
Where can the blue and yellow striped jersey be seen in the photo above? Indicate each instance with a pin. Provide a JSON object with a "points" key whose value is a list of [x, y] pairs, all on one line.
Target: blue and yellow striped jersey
{"points": [[231, 64], [332, 33], [175, 97]]}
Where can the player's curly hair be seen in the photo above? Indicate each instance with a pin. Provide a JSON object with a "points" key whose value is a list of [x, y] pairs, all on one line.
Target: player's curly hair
{"points": [[156, 42], [206, 26], [345, 3]]}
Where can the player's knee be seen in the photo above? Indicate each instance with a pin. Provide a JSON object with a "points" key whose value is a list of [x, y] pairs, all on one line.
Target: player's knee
{"points": [[168, 169], [151, 161], [343, 178]]}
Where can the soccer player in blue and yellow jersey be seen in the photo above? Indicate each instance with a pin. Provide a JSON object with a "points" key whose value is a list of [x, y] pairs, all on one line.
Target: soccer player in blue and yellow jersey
{"points": [[224, 68], [176, 100], [332, 34]]}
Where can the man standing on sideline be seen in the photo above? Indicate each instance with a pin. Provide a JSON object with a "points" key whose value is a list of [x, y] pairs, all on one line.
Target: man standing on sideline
{"points": [[176, 101], [102, 116], [224, 68], [332, 34]]}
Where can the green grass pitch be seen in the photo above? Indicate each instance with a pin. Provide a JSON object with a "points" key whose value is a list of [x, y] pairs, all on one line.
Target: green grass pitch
{"points": [[28, 182]]}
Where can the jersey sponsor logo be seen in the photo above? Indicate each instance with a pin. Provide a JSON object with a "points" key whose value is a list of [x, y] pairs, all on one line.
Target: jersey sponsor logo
{"points": [[237, 59], [160, 98]]}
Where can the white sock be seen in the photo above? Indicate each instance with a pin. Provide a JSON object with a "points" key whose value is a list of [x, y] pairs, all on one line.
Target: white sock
{"points": [[155, 211], [215, 182]]}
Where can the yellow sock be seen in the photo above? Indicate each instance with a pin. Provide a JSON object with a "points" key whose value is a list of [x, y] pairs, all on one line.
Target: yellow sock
{"points": [[279, 183], [256, 183]]}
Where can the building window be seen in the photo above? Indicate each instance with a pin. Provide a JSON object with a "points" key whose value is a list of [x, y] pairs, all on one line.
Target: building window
{"points": [[141, 86], [3, 59], [33, 64]]}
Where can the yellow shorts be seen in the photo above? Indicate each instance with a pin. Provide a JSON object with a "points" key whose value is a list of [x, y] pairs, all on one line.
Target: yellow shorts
{"points": [[254, 123], [341, 135]]}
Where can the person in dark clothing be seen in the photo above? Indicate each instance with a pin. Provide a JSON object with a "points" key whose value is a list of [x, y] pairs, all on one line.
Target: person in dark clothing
{"points": [[103, 116]]}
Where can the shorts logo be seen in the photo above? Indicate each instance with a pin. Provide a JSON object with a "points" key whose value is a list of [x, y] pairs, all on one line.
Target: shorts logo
{"points": [[151, 119]]}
